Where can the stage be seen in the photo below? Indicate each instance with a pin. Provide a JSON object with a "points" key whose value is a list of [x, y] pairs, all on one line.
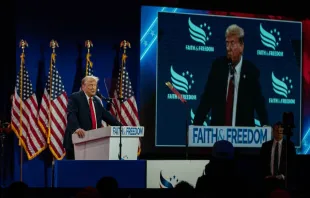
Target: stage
{"points": [[142, 174], [128, 173], [79, 174], [151, 173]]}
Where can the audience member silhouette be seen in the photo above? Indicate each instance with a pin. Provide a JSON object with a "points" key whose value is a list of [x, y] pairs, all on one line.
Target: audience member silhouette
{"points": [[88, 192], [18, 189], [220, 177], [183, 189], [107, 187], [279, 193]]}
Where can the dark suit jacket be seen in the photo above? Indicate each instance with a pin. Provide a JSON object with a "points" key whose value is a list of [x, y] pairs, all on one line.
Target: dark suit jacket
{"points": [[250, 98], [78, 116], [286, 161], [221, 174]]}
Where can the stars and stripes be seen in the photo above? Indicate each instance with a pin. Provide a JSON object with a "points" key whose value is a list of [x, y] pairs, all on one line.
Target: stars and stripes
{"points": [[126, 109], [52, 114], [24, 115]]}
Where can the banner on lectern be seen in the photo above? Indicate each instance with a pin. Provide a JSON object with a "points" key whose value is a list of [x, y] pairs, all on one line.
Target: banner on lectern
{"points": [[206, 136], [136, 131]]}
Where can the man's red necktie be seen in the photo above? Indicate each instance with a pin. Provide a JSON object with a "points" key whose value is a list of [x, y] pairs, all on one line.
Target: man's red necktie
{"points": [[92, 114], [229, 102]]}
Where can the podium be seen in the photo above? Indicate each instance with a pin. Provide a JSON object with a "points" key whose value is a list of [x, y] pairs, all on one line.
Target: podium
{"points": [[103, 143]]}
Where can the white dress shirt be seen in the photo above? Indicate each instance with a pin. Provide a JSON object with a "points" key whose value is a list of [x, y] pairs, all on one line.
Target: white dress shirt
{"points": [[272, 154], [237, 79]]}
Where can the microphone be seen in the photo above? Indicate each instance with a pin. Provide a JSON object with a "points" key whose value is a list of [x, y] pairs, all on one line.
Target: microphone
{"points": [[108, 100]]}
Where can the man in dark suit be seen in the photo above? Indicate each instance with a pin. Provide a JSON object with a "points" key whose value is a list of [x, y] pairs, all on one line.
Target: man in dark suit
{"points": [[232, 92], [277, 159], [85, 112]]}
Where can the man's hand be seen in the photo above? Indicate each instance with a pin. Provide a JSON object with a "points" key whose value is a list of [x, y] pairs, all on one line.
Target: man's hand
{"points": [[80, 133], [280, 177], [269, 176]]}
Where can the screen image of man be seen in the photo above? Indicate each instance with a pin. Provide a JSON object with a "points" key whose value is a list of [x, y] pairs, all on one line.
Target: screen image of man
{"points": [[85, 112], [232, 92]]}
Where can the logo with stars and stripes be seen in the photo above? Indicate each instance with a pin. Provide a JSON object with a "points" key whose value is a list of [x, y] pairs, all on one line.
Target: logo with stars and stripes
{"points": [[183, 82], [200, 35]]}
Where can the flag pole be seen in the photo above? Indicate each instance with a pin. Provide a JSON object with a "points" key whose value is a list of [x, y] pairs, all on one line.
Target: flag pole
{"points": [[53, 45], [88, 45], [124, 44], [22, 44]]}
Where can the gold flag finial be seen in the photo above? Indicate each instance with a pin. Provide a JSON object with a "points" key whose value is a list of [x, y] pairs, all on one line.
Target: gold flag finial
{"points": [[53, 45], [88, 44], [125, 44], [23, 44]]}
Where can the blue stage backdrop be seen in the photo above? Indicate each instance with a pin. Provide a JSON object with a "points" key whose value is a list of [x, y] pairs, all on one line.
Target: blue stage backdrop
{"points": [[179, 45]]}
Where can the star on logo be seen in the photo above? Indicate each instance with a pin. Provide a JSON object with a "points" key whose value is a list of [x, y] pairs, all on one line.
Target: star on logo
{"points": [[276, 33], [190, 81], [288, 83], [209, 33]]}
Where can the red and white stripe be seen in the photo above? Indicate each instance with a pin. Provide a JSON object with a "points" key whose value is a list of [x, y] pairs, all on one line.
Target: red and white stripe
{"points": [[24, 124], [56, 110], [127, 112]]}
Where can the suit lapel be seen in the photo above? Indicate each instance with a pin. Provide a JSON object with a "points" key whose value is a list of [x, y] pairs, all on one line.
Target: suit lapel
{"points": [[270, 148], [98, 108], [283, 152], [85, 104], [240, 88], [241, 77], [223, 79], [268, 157]]}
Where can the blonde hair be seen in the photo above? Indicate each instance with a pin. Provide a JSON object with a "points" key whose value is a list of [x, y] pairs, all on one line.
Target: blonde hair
{"points": [[86, 78], [235, 30]]}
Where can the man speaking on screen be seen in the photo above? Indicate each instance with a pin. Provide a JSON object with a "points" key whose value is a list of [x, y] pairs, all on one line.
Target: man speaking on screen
{"points": [[232, 92]]}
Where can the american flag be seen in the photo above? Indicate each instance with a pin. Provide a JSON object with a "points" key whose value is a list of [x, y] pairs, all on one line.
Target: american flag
{"points": [[24, 115], [127, 110], [52, 114]]}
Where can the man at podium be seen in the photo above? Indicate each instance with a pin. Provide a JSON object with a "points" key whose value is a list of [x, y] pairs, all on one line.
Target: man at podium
{"points": [[85, 112]]}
